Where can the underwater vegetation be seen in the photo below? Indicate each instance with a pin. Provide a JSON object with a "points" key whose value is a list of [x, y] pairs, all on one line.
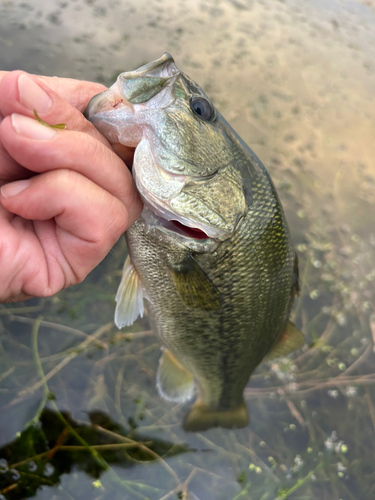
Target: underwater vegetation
{"points": [[95, 422]]}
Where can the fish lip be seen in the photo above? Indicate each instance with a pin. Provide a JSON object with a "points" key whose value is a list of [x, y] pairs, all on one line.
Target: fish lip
{"points": [[165, 62], [114, 95], [105, 101]]}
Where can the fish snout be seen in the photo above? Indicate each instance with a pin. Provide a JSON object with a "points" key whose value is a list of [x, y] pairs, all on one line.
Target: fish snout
{"points": [[146, 82]]}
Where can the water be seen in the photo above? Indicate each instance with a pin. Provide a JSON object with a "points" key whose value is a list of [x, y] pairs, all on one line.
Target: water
{"points": [[296, 80]]}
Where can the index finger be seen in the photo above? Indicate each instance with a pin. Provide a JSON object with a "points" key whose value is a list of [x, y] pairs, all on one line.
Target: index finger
{"points": [[75, 92]]}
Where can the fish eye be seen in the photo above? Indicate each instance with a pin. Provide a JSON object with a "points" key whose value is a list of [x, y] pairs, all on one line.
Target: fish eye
{"points": [[202, 108]]}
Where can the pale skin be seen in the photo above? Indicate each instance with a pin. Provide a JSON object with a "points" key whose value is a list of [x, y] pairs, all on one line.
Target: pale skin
{"points": [[66, 196]]}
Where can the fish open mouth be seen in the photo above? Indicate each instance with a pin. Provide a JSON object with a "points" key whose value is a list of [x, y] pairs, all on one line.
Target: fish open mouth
{"points": [[186, 233], [189, 232]]}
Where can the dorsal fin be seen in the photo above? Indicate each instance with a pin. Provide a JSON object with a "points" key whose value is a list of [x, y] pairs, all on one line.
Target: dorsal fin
{"points": [[129, 296]]}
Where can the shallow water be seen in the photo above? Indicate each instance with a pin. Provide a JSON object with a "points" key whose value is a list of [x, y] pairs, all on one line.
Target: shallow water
{"points": [[296, 80]]}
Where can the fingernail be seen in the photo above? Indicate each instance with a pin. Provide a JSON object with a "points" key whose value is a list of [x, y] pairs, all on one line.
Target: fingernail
{"points": [[14, 188], [32, 96], [31, 128]]}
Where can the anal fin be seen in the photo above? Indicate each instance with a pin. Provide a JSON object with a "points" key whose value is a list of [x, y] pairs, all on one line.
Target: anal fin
{"points": [[290, 340], [129, 296], [173, 381]]}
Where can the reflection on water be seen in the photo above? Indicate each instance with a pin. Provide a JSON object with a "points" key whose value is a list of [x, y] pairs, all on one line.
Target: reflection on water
{"points": [[296, 81]]}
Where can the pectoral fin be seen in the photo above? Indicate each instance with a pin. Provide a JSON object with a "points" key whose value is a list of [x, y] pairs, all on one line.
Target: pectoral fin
{"points": [[194, 286], [173, 381], [290, 340], [129, 296]]}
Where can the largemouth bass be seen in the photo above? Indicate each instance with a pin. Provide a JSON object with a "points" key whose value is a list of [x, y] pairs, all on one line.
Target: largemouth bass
{"points": [[211, 252]]}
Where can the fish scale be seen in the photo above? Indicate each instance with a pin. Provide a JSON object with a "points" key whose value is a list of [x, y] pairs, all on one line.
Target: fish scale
{"points": [[245, 329], [219, 303]]}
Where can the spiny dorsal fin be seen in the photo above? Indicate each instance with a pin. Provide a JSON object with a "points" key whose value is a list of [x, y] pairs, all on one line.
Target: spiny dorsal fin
{"points": [[129, 296], [194, 286], [173, 381], [290, 340]]}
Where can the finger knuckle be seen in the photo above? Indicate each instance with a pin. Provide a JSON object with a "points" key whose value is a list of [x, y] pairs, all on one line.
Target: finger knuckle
{"points": [[113, 226], [87, 146], [63, 177]]}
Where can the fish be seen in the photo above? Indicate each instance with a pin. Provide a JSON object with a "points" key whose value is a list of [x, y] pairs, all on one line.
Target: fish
{"points": [[211, 256]]}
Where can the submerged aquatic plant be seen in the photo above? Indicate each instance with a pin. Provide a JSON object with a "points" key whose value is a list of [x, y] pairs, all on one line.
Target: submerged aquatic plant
{"points": [[81, 398]]}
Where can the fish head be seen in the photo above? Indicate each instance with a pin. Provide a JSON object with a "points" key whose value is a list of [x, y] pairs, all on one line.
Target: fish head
{"points": [[184, 165]]}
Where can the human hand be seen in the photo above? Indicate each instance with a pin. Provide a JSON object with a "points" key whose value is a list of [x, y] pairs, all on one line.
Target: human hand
{"points": [[66, 197]]}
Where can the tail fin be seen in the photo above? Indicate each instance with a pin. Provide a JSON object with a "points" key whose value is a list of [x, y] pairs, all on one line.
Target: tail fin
{"points": [[202, 418]]}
